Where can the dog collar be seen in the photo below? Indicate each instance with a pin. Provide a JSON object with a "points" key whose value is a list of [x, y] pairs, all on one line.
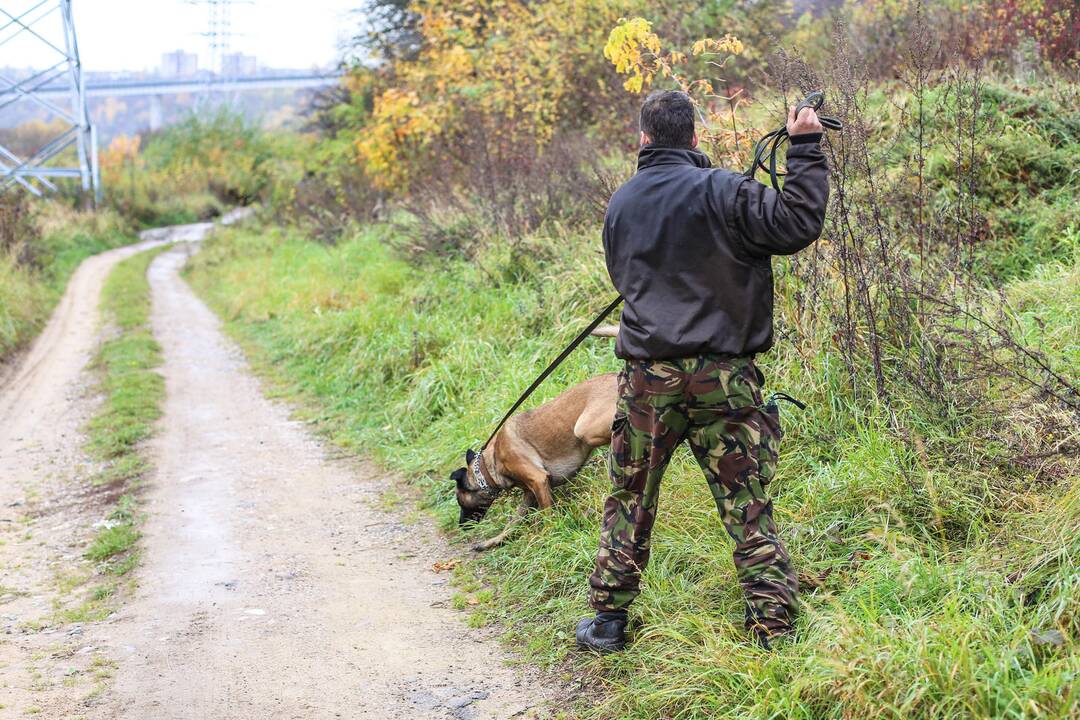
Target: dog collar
{"points": [[479, 469]]}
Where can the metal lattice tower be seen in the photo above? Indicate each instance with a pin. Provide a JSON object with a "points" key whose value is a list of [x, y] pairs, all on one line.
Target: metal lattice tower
{"points": [[219, 32], [33, 172]]}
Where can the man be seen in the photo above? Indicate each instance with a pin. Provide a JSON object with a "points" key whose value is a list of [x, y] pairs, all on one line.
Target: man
{"points": [[689, 248]]}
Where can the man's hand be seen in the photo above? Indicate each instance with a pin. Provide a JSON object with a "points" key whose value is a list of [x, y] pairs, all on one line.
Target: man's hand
{"points": [[806, 122]]}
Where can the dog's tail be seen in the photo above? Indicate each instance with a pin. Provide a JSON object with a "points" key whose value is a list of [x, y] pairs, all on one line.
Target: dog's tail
{"points": [[606, 331]]}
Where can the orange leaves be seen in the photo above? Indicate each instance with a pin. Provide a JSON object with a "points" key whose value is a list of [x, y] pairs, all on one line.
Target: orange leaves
{"points": [[122, 147], [400, 121], [728, 45], [123, 152]]}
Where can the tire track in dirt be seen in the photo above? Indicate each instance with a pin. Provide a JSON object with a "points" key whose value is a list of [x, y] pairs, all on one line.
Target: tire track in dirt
{"points": [[47, 502], [272, 586]]}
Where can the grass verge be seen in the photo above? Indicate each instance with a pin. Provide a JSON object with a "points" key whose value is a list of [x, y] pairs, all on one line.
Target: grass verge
{"points": [[35, 272], [914, 608], [132, 395]]}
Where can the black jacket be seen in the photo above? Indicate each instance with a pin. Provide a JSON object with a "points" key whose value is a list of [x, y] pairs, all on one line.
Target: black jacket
{"points": [[689, 248]]}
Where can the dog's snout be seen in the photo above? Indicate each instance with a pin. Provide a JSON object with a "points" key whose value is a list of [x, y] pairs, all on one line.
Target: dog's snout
{"points": [[471, 516]]}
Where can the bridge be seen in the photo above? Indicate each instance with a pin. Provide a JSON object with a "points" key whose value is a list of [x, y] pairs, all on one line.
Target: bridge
{"points": [[127, 88], [63, 89], [156, 89]]}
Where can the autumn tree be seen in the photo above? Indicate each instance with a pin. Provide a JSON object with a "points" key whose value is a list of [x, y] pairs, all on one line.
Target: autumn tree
{"points": [[512, 70]]}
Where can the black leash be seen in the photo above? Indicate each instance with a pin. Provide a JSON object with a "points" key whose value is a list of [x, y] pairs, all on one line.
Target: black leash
{"points": [[554, 364], [771, 142], [786, 398]]}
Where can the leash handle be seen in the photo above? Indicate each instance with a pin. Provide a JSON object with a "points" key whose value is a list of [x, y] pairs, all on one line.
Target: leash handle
{"points": [[771, 142], [550, 368], [814, 101]]}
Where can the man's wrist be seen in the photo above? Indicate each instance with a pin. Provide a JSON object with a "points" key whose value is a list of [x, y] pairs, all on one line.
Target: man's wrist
{"points": [[805, 138]]}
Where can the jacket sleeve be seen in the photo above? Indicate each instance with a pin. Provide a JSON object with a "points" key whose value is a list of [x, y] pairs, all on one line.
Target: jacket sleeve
{"points": [[785, 222], [609, 261]]}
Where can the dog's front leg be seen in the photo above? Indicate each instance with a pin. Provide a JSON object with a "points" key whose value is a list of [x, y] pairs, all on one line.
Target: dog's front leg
{"points": [[528, 502]]}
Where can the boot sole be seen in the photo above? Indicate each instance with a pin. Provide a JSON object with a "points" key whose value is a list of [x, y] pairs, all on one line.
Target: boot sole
{"points": [[602, 649]]}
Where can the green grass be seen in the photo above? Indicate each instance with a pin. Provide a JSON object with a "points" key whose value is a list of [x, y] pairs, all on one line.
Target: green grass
{"points": [[413, 366], [943, 572], [25, 303], [132, 389], [112, 541], [29, 291], [133, 392]]}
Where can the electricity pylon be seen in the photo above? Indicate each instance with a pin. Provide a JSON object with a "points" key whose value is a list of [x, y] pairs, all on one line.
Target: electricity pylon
{"points": [[219, 33], [34, 171]]}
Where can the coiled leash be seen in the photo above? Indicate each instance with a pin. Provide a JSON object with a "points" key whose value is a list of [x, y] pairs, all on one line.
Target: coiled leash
{"points": [[771, 142]]}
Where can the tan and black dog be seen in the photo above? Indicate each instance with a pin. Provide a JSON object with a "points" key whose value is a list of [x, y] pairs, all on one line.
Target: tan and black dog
{"points": [[536, 451]]}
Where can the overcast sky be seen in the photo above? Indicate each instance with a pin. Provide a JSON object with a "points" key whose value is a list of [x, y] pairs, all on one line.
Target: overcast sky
{"points": [[132, 34]]}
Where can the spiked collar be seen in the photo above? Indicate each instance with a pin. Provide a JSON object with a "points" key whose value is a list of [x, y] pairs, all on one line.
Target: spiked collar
{"points": [[483, 477]]}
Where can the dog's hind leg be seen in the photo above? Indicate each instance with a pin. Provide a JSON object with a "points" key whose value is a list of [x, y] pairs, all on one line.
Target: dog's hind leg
{"points": [[528, 502], [593, 427]]}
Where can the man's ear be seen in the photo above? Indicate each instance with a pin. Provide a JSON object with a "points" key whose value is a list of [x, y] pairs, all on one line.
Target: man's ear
{"points": [[469, 455], [644, 139], [693, 143]]}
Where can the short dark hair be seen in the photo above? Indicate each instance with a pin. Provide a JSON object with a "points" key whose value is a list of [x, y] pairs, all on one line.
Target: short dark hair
{"points": [[667, 117]]}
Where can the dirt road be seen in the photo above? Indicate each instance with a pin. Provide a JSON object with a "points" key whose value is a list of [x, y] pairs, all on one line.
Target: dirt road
{"points": [[272, 584]]}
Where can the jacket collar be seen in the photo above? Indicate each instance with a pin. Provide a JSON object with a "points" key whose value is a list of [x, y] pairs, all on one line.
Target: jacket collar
{"points": [[653, 155]]}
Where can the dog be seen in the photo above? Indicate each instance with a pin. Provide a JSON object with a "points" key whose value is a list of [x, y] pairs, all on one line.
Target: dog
{"points": [[536, 451]]}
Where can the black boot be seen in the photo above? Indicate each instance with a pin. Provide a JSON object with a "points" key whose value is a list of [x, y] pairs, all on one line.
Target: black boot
{"points": [[604, 633], [762, 638]]}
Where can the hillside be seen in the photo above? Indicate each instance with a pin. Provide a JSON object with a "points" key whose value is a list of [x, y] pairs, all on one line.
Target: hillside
{"points": [[937, 554]]}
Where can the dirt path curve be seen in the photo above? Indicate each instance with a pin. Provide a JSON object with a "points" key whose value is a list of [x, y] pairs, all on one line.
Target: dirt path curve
{"points": [[47, 503], [273, 586]]}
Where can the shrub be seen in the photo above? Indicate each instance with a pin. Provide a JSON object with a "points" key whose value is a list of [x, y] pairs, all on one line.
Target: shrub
{"points": [[482, 191], [195, 169]]}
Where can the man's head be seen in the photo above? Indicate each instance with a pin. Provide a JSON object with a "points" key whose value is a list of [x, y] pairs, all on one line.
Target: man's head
{"points": [[667, 120]]}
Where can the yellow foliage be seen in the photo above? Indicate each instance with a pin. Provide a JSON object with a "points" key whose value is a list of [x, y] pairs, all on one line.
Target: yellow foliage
{"points": [[504, 67], [729, 44], [635, 50], [123, 152]]}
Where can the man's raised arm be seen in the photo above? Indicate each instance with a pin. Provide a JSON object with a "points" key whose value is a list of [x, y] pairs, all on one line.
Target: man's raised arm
{"points": [[785, 222]]}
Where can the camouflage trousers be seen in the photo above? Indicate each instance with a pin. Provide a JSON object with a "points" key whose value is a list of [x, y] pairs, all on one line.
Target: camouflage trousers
{"points": [[715, 404]]}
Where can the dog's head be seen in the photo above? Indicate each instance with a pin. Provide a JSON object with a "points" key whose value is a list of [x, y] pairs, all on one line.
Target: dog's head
{"points": [[473, 499]]}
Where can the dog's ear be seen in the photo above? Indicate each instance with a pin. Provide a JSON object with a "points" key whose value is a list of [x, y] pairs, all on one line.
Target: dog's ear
{"points": [[458, 476], [469, 455]]}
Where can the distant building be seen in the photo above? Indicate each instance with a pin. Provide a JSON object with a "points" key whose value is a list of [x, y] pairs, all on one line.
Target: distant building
{"points": [[237, 65], [179, 64]]}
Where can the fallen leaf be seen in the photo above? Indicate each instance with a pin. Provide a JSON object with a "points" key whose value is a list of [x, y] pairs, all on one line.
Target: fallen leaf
{"points": [[445, 565]]}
